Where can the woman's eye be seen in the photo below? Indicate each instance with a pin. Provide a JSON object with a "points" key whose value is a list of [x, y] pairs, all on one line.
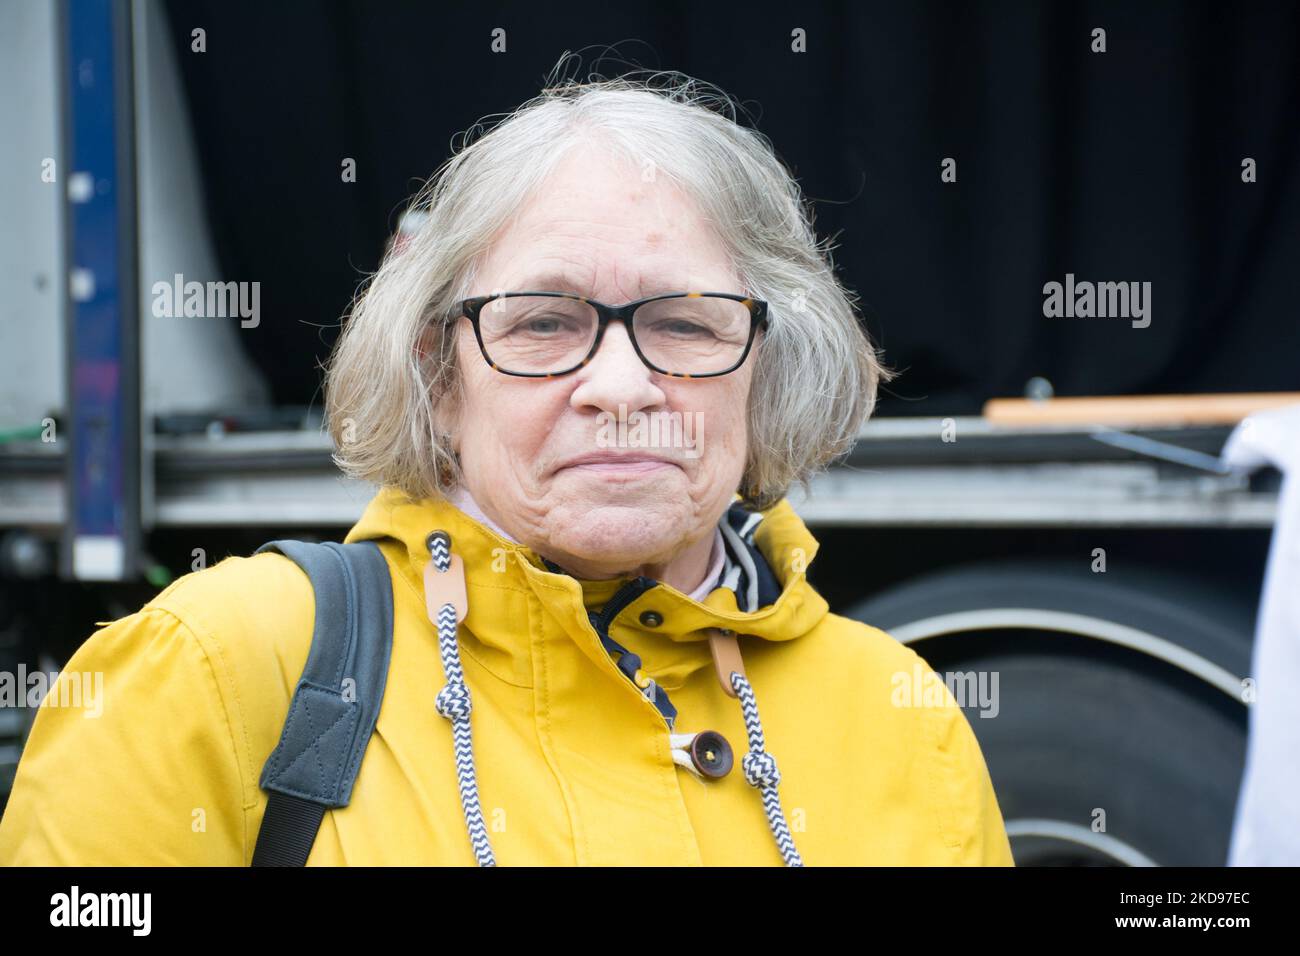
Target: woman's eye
{"points": [[682, 327], [541, 325]]}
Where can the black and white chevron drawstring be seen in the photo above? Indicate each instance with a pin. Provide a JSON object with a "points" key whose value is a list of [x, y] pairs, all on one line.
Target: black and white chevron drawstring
{"points": [[445, 598], [453, 702], [760, 770]]}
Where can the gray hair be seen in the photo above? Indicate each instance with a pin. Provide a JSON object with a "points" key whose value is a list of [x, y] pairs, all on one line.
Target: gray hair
{"points": [[816, 373]]}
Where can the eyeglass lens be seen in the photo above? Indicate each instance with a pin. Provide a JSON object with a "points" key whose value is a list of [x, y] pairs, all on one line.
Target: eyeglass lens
{"points": [[546, 335]]}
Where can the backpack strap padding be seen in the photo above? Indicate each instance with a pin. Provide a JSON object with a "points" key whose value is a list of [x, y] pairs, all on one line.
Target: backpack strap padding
{"points": [[336, 703]]}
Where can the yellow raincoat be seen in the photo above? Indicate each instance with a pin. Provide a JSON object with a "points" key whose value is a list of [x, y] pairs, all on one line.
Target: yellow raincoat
{"points": [[574, 763]]}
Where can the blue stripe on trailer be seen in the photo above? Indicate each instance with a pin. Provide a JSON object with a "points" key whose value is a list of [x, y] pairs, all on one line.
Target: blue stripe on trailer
{"points": [[101, 534]]}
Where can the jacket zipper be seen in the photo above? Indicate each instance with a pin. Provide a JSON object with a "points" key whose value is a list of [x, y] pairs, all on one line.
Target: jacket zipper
{"points": [[621, 599]]}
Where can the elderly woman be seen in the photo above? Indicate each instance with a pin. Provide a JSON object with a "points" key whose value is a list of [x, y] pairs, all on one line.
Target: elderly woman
{"points": [[584, 387]]}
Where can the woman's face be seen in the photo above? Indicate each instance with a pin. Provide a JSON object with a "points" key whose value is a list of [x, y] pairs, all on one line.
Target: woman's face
{"points": [[600, 230]]}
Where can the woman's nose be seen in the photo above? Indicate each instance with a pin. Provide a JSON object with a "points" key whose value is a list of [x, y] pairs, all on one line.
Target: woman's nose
{"points": [[616, 376]]}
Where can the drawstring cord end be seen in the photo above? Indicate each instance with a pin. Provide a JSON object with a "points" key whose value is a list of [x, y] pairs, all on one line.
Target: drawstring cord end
{"points": [[758, 765], [447, 604]]}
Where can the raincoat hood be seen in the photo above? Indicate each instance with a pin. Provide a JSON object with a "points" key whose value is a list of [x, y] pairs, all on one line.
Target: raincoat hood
{"points": [[493, 562]]}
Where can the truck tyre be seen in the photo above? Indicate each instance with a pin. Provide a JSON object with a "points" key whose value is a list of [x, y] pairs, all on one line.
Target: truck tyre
{"points": [[1117, 732]]}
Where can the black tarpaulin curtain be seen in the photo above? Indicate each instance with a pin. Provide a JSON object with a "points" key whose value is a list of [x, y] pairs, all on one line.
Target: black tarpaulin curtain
{"points": [[1115, 166]]}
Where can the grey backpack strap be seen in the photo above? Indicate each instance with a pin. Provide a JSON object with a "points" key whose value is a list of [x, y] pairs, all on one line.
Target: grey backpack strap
{"points": [[337, 699]]}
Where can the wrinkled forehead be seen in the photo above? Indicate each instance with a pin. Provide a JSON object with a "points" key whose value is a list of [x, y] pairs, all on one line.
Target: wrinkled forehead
{"points": [[597, 227]]}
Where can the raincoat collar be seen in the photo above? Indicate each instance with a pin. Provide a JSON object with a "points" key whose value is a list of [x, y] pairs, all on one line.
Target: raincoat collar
{"points": [[678, 642]]}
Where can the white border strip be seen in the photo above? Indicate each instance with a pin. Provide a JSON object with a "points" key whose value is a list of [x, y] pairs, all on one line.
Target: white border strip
{"points": [[1081, 624], [1103, 843]]}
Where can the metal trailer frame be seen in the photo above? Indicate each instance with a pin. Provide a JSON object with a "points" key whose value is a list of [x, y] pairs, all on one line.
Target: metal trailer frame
{"points": [[901, 473]]}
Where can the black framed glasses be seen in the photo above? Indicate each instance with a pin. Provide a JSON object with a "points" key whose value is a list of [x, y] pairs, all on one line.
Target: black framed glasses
{"points": [[547, 334]]}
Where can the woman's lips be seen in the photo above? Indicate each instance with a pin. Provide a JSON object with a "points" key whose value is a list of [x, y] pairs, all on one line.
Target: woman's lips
{"points": [[620, 467]]}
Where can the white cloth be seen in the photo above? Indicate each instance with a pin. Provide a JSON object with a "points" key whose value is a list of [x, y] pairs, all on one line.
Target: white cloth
{"points": [[1266, 831], [463, 500]]}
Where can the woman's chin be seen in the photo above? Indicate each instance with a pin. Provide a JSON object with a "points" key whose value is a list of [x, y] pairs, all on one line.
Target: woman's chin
{"points": [[611, 539]]}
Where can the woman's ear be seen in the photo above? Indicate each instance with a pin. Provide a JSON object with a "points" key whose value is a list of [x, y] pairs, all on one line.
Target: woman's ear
{"points": [[425, 344], [444, 395], [446, 424]]}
